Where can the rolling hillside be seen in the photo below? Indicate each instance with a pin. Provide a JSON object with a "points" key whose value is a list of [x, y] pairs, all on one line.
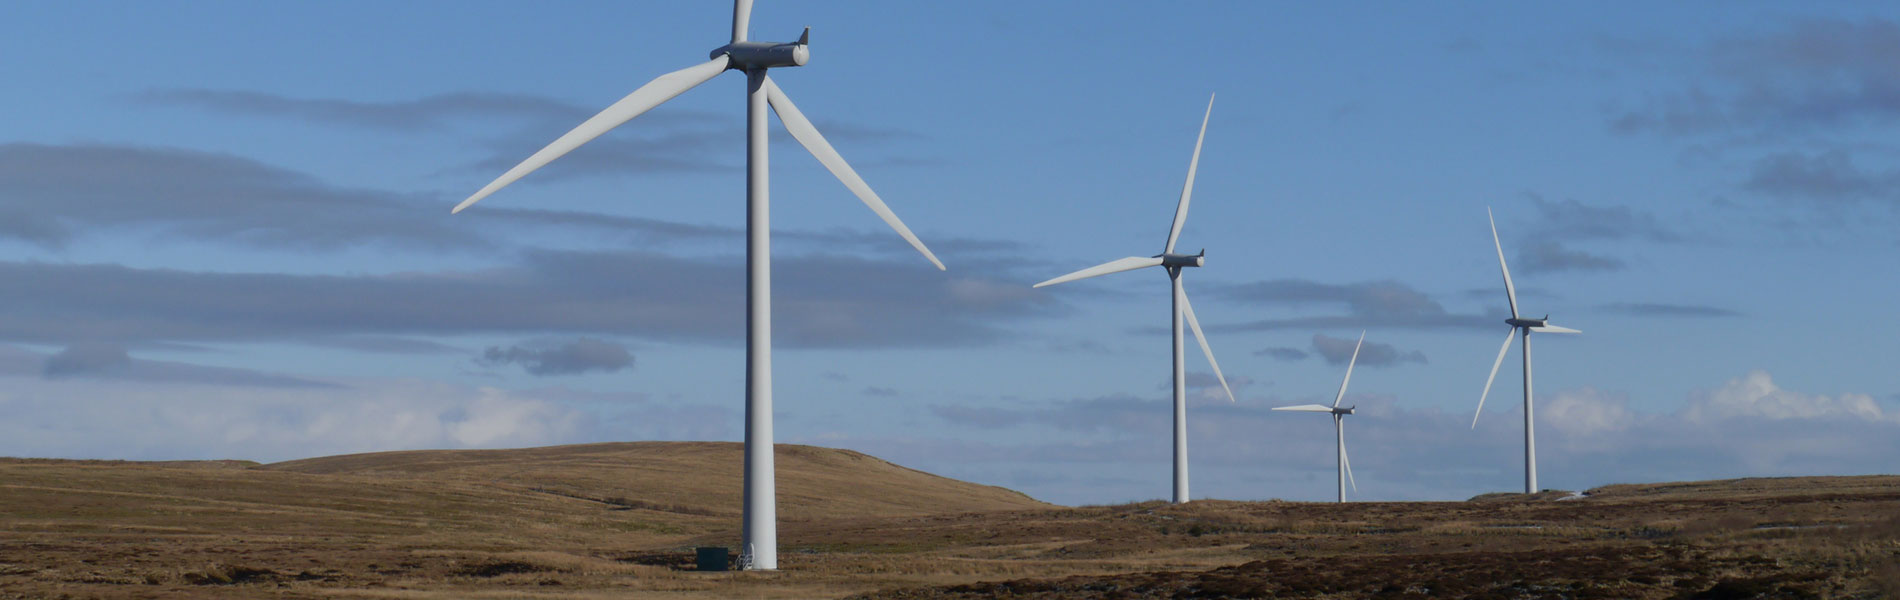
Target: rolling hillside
{"points": [[619, 520], [687, 477]]}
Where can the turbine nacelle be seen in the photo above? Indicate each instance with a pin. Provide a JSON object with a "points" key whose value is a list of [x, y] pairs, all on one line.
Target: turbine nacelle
{"points": [[765, 55], [1173, 261], [1519, 322], [1343, 411]]}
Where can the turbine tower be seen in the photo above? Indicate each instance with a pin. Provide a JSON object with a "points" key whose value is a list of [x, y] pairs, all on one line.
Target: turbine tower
{"points": [[1173, 263], [754, 59], [1528, 326], [1339, 421]]}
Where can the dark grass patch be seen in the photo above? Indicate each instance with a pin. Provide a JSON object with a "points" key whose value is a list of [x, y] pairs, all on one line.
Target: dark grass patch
{"points": [[497, 568], [1629, 571], [228, 575]]}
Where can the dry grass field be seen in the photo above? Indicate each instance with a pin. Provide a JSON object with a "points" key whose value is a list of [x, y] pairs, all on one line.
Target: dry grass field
{"points": [[619, 520]]}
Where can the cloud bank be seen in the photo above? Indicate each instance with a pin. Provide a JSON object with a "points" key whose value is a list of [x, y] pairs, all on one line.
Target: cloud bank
{"points": [[561, 357]]}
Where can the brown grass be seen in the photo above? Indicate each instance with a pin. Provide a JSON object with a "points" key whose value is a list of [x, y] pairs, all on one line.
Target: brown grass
{"points": [[619, 520]]}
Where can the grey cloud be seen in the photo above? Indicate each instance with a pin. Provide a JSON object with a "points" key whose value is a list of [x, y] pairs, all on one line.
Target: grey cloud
{"points": [[561, 357], [821, 301], [980, 417], [109, 362], [1386, 303], [1546, 244], [667, 139], [1829, 176], [441, 110], [203, 195], [1204, 381], [156, 371], [837, 239], [1338, 351], [1819, 82], [1691, 112], [1364, 298], [87, 359], [1547, 256], [1105, 413], [67, 189], [678, 148], [1079, 347], [55, 193], [383, 344], [880, 392], [1572, 220], [1282, 354], [1490, 294], [1352, 321], [1651, 309], [1804, 74], [428, 112], [624, 151]]}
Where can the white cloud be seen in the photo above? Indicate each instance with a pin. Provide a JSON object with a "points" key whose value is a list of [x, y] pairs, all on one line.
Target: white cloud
{"points": [[1587, 437], [106, 419], [1756, 395], [1586, 411]]}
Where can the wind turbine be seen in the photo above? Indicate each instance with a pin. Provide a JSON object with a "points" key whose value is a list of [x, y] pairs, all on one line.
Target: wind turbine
{"points": [[1339, 421], [1173, 263], [753, 58], [1527, 326]]}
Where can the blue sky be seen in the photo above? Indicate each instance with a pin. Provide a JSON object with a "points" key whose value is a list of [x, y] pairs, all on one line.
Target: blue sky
{"points": [[225, 230]]}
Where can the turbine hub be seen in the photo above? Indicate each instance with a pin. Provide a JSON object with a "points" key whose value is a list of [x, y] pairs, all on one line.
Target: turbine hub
{"points": [[764, 55], [1183, 260]]}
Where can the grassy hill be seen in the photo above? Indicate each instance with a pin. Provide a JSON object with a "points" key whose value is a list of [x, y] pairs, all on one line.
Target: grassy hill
{"points": [[699, 478], [618, 520]]}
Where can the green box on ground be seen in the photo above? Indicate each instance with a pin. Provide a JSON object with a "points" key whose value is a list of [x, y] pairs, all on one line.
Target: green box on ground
{"points": [[712, 558]]}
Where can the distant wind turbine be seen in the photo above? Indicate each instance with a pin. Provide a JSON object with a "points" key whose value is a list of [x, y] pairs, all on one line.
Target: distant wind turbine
{"points": [[1527, 326], [1339, 421], [1173, 263], [754, 58]]}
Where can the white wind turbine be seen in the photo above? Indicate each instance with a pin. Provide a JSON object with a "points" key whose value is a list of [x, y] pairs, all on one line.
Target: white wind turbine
{"points": [[1339, 421], [1528, 326], [753, 58], [1173, 263]]}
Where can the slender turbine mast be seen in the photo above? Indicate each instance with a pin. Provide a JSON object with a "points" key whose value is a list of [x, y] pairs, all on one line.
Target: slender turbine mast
{"points": [[1339, 421], [1527, 326], [754, 59], [1173, 263]]}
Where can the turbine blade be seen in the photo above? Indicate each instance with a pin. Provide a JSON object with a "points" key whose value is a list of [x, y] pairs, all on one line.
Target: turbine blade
{"points": [[741, 19], [661, 89], [1318, 408], [1344, 457], [1113, 266], [1187, 189], [808, 136], [1349, 364], [1494, 375], [1510, 291], [1547, 328], [1195, 325]]}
